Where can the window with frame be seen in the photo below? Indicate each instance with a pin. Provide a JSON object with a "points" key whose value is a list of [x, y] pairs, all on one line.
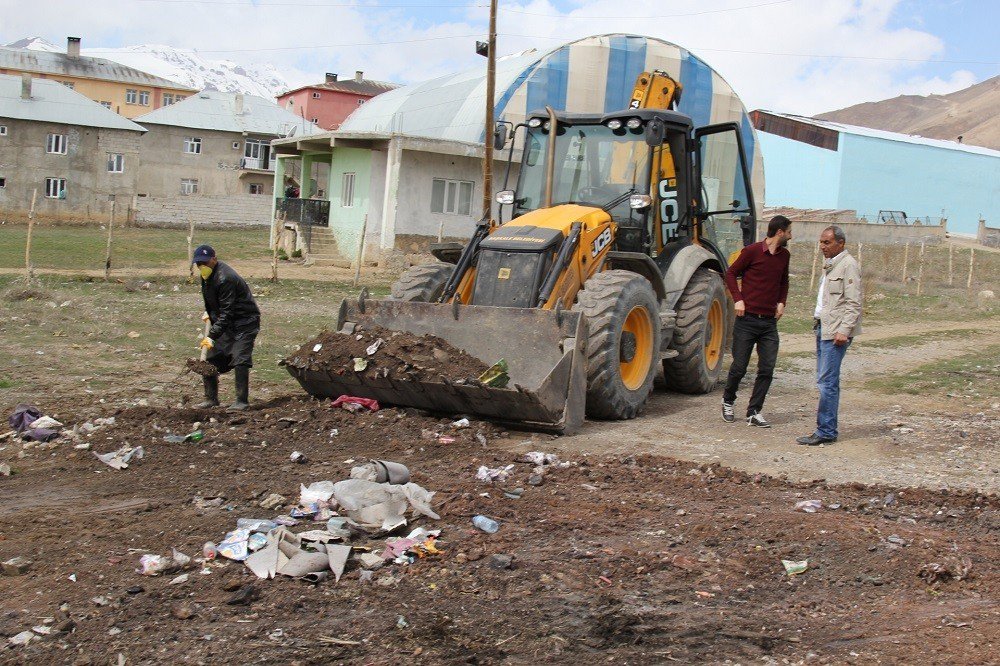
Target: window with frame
{"points": [[56, 144], [189, 186], [3, 130], [106, 105], [55, 188], [131, 96], [192, 144], [144, 97], [168, 99], [451, 196], [315, 95], [3, 182], [179, 98], [256, 188], [314, 120], [347, 191], [68, 84], [116, 163], [361, 101]]}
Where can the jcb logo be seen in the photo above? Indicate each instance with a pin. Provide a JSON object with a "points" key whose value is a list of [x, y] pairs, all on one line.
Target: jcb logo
{"points": [[601, 242], [668, 208]]}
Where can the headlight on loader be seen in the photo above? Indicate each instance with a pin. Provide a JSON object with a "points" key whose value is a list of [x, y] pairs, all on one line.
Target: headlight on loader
{"points": [[640, 201], [505, 197]]}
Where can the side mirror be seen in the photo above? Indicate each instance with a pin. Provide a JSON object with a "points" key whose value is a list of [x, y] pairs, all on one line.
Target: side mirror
{"points": [[500, 136], [655, 133]]}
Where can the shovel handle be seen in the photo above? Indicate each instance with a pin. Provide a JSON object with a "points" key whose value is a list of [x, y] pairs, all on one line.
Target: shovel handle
{"points": [[204, 350]]}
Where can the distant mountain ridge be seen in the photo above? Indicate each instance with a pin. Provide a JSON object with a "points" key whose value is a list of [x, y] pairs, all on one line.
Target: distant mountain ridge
{"points": [[183, 66], [972, 113]]}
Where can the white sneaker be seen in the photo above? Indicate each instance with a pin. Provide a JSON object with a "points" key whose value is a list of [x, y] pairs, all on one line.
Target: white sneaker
{"points": [[727, 412], [758, 421]]}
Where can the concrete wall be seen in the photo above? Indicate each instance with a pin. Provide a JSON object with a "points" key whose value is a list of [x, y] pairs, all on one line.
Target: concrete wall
{"points": [[25, 165], [228, 210], [988, 236], [860, 232], [217, 167]]}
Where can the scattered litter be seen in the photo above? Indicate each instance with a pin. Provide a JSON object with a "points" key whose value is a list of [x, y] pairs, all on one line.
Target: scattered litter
{"points": [[195, 436], [485, 524], [951, 568], [24, 417], [318, 491], [461, 423], [372, 348], [793, 568], [42, 630], [298, 457], [234, 546], [500, 474], [46, 422], [354, 404], [272, 501], [154, 565], [317, 347], [809, 506], [382, 471], [120, 459], [179, 580], [22, 638], [497, 375], [360, 365]]}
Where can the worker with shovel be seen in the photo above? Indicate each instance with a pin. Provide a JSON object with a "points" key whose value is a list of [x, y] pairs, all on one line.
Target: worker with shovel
{"points": [[235, 322]]}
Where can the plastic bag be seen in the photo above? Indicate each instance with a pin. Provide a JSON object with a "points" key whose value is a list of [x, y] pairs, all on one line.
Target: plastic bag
{"points": [[318, 491]]}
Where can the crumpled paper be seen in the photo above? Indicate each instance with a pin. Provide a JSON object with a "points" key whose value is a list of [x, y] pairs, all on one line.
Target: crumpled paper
{"points": [[120, 459]]}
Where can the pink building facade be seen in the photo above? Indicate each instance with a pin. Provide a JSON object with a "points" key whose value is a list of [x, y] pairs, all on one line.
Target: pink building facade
{"points": [[329, 103]]}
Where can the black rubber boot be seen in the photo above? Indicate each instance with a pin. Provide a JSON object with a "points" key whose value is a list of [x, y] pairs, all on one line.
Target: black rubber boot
{"points": [[241, 374], [211, 392]]}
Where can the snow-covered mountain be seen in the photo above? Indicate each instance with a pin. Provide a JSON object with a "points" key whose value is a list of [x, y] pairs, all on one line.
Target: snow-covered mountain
{"points": [[183, 66]]}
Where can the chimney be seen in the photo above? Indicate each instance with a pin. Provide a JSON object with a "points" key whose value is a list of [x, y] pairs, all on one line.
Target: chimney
{"points": [[239, 104], [359, 75], [73, 47], [330, 77], [25, 86]]}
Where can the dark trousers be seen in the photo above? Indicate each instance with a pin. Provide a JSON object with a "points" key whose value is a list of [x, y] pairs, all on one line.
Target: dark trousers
{"points": [[747, 332], [234, 348]]}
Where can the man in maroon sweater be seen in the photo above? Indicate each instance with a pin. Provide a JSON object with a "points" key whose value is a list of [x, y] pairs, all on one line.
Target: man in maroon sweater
{"points": [[760, 302]]}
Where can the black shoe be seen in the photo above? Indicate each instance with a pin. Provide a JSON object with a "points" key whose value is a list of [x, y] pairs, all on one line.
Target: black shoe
{"points": [[727, 412], [211, 392], [815, 440], [757, 420], [242, 376]]}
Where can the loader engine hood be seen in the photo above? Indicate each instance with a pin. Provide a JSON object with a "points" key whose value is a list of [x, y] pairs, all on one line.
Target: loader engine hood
{"points": [[513, 263]]}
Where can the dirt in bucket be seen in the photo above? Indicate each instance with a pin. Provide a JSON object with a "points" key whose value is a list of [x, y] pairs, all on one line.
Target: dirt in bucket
{"points": [[378, 352]]}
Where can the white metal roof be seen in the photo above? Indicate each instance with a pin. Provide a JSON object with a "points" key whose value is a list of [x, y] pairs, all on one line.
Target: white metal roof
{"points": [[889, 136], [53, 102], [214, 110], [55, 64]]}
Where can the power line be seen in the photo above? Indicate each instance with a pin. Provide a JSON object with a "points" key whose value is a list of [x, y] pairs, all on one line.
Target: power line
{"points": [[319, 5], [306, 48]]}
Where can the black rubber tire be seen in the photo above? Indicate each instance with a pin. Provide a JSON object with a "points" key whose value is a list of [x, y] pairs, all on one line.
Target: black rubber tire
{"points": [[606, 300], [423, 283], [688, 372]]}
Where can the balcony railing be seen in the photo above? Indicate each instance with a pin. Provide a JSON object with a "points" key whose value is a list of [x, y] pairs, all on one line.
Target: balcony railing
{"points": [[311, 212], [258, 163]]}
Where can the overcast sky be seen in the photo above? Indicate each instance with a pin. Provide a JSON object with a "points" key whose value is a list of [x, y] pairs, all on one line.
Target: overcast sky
{"points": [[798, 56]]}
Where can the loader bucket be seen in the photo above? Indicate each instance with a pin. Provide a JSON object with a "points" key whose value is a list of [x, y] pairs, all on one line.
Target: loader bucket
{"points": [[544, 350]]}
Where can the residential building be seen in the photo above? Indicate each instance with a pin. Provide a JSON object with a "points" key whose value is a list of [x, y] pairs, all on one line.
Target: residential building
{"points": [[820, 164], [213, 143], [410, 160], [122, 89], [329, 103], [73, 153]]}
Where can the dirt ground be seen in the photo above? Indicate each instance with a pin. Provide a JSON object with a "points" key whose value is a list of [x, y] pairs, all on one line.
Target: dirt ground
{"points": [[662, 542], [621, 558]]}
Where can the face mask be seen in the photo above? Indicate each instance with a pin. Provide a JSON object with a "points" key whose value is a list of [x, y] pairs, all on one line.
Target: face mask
{"points": [[205, 271]]}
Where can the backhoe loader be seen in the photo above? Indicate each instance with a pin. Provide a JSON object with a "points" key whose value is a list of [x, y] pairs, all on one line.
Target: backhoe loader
{"points": [[607, 268]]}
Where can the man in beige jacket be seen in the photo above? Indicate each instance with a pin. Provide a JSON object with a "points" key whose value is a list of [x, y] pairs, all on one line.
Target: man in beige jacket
{"points": [[837, 320]]}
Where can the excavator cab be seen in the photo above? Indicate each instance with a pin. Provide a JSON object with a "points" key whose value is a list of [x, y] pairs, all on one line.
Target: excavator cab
{"points": [[603, 267]]}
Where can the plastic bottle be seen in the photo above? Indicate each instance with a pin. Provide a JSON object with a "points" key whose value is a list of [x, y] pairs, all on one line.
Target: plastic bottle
{"points": [[209, 550], [487, 525]]}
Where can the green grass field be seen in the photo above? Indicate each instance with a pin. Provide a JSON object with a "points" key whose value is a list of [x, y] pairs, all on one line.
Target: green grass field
{"points": [[84, 248], [973, 375]]}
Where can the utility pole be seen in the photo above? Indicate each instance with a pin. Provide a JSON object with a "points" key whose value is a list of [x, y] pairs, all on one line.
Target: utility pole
{"points": [[491, 76]]}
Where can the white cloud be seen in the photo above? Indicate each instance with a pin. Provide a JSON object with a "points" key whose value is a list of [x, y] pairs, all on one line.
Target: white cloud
{"points": [[789, 83]]}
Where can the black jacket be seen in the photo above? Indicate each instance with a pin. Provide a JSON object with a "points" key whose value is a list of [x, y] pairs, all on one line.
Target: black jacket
{"points": [[228, 301]]}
